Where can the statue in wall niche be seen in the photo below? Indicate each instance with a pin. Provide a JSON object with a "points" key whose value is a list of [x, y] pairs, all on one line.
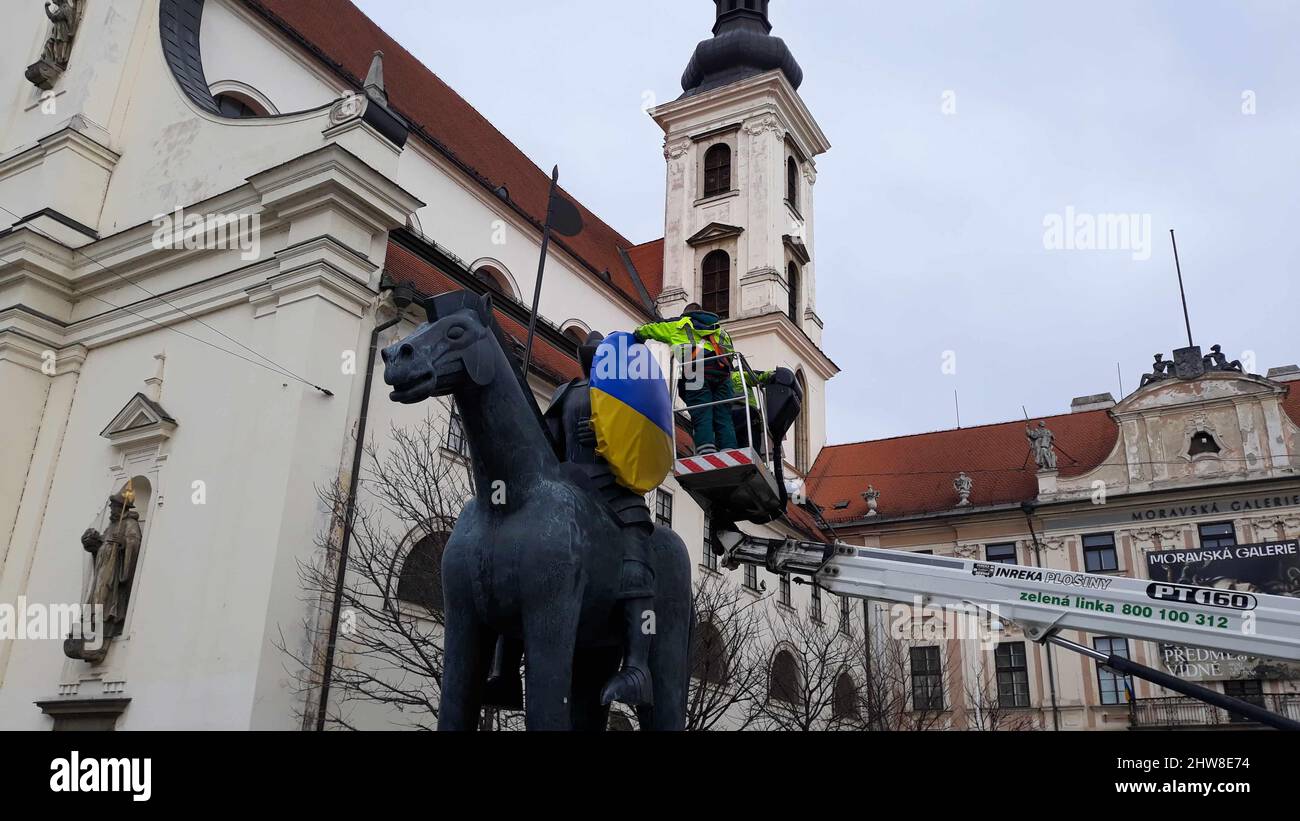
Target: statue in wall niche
{"points": [[114, 554], [64, 17], [1041, 441]]}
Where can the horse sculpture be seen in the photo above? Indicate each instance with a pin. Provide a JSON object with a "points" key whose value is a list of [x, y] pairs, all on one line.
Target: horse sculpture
{"points": [[534, 557]]}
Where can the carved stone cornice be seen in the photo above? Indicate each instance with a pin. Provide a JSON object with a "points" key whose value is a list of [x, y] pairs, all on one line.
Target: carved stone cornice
{"points": [[676, 149], [763, 124]]}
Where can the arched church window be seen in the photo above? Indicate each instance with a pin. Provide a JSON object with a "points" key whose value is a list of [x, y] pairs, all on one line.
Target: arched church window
{"points": [[717, 170], [801, 429], [237, 105], [794, 284], [1203, 442], [715, 283], [491, 276], [784, 684], [576, 334], [708, 654], [792, 182], [844, 697], [420, 581]]}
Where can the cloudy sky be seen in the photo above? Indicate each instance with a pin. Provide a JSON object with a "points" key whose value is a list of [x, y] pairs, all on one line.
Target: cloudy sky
{"points": [[963, 133]]}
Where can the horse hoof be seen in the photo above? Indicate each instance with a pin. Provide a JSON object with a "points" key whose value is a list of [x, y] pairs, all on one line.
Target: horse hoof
{"points": [[631, 686]]}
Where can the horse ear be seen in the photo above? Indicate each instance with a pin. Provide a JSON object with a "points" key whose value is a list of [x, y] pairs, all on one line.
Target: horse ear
{"points": [[478, 361], [485, 308], [430, 309]]}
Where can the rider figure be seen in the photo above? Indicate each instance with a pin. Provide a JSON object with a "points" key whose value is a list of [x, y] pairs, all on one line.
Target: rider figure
{"points": [[569, 421]]}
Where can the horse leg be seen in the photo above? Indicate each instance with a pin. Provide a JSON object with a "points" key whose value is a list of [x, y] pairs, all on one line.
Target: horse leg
{"points": [[467, 653], [670, 652], [550, 636], [591, 669]]}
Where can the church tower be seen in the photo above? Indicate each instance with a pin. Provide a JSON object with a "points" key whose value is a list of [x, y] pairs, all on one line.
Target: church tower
{"points": [[741, 150]]}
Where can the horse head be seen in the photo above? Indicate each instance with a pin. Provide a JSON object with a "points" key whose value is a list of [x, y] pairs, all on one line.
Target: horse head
{"points": [[454, 349]]}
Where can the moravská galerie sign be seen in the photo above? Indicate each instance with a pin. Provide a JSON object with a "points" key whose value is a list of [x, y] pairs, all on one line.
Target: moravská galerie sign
{"points": [[1267, 567]]}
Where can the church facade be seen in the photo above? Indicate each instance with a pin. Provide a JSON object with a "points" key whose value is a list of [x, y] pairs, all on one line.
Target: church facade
{"points": [[208, 205]]}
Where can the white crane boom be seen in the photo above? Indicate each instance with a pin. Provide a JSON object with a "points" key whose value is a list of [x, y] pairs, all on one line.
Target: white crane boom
{"points": [[1043, 601]]}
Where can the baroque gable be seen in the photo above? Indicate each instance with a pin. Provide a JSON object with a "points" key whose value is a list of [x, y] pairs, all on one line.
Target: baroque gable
{"points": [[140, 422], [1219, 426]]}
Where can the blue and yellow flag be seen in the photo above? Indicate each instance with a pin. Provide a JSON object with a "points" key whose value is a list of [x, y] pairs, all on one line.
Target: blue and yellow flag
{"points": [[631, 412]]}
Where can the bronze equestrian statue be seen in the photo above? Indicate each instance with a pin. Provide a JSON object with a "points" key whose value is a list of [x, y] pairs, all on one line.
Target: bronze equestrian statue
{"points": [[537, 557]]}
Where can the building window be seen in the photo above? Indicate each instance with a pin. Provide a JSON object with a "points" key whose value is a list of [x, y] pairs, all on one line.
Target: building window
{"points": [[420, 580], [801, 455], [1013, 674], [1250, 690], [708, 654], [751, 577], [792, 275], [927, 679], [494, 278], [1202, 442], [1002, 553], [576, 335], [784, 597], [792, 182], [715, 283], [846, 615], [1099, 554], [844, 698], [710, 558], [815, 603], [231, 105], [456, 442], [663, 507], [784, 685], [1114, 687], [1219, 534], [717, 170]]}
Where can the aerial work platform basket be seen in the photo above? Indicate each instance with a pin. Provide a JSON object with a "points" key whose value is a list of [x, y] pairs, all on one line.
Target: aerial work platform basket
{"points": [[742, 483]]}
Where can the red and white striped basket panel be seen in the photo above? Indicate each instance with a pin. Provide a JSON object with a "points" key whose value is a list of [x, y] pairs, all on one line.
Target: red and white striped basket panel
{"points": [[713, 461]]}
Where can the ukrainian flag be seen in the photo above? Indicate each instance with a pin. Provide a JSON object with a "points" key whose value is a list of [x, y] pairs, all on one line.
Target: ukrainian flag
{"points": [[631, 412]]}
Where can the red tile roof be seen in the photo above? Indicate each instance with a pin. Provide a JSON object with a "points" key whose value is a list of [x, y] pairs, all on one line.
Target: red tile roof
{"points": [[914, 474], [1291, 403], [345, 39], [648, 259]]}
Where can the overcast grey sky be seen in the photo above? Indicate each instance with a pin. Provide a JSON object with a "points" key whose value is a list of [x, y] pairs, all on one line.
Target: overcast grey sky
{"points": [[930, 245]]}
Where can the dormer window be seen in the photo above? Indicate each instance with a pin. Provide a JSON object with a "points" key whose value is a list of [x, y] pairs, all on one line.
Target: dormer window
{"points": [[1203, 443], [717, 170]]}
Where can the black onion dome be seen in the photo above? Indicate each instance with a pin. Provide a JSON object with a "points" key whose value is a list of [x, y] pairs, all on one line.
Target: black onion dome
{"points": [[742, 46]]}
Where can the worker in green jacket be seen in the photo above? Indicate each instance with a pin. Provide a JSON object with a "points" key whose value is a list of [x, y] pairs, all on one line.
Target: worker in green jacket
{"points": [[698, 334]]}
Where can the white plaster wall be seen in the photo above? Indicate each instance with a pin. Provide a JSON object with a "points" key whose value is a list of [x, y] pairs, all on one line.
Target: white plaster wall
{"points": [[237, 45]]}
